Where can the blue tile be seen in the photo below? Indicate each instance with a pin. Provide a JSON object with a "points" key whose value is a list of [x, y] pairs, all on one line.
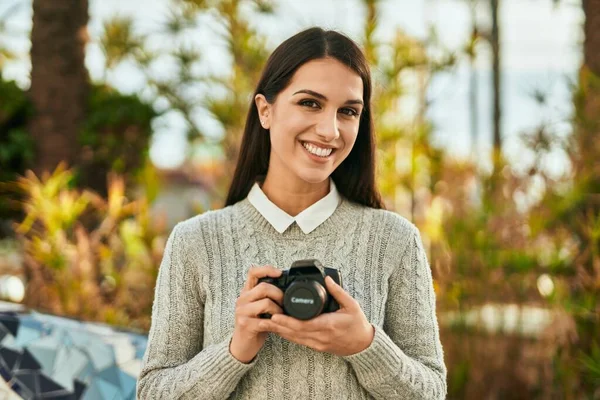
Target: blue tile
{"points": [[26, 335], [104, 389], [102, 354], [87, 374], [45, 356], [70, 363], [110, 374], [127, 382]]}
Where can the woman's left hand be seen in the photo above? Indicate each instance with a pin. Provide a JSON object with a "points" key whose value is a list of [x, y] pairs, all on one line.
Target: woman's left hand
{"points": [[344, 332]]}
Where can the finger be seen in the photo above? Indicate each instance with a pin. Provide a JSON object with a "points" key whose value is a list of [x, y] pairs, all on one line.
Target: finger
{"points": [[340, 295], [283, 331], [313, 325], [257, 272], [322, 323], [295, 337], [260, 307], [261, 291]]}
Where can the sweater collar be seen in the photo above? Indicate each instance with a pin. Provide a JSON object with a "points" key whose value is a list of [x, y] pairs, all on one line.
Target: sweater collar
{"points": [[308, 220]]}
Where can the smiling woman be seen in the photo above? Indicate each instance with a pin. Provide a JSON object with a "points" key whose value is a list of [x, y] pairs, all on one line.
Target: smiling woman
{"points": [[303, 189], [313, 90]]}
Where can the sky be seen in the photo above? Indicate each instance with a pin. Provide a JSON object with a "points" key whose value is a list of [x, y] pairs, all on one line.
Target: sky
{"points": [[541, 50]]}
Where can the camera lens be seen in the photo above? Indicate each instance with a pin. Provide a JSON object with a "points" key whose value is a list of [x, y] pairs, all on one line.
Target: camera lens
{"points": [[304, 299]]}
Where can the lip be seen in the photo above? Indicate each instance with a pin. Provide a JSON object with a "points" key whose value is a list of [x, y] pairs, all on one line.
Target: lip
{"points": [[323, 146], [321, 160]]}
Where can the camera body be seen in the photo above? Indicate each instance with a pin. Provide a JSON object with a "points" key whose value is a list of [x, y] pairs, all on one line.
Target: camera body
{"points": [[305, 293]]}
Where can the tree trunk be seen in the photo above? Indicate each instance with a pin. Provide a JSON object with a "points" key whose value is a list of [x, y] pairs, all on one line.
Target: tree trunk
{"points": [[495, 42], [591, 46], [588, 104], [59, 80], [473, 83]]}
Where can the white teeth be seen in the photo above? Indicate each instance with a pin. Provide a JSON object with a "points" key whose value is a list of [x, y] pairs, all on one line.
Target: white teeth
{"points": [[317, 150]]}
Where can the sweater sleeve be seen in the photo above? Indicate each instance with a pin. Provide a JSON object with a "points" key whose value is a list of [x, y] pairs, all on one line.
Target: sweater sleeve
{"points": [[175, 366], [405, 359]]}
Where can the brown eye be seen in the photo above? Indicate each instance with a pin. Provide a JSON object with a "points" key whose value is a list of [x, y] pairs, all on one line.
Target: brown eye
{"points": [[349, 111], [309, 103]]}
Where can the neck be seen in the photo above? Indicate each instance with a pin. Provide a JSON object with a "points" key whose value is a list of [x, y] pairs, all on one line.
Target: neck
{"points": [[293, 199]]}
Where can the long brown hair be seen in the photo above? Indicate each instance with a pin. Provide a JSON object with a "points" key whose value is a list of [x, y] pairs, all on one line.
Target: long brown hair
{"points": [[355, 176]]}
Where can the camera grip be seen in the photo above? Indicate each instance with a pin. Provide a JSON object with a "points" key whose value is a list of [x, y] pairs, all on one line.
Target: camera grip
{"points": [[267, 279]]}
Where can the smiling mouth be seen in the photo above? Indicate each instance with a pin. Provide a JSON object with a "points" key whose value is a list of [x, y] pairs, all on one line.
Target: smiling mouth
{"points": [[317, 155]]}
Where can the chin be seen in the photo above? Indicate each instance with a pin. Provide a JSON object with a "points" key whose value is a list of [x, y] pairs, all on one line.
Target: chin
{"points": [[314, 176]]}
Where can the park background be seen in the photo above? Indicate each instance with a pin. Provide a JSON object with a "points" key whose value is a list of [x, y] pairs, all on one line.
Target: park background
{"points": [[119, 119]]}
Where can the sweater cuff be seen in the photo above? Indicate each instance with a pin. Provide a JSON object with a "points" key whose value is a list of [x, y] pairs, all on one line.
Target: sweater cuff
{"points": [[220, 365], [382, 359]]}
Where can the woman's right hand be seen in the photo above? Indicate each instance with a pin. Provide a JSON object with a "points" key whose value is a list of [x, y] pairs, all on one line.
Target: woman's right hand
{"points": [[248, 337]]}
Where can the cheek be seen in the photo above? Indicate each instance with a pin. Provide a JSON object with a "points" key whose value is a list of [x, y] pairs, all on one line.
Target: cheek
{"points": [[283, 142], [349, 138], [295, 120], [284, 134]]}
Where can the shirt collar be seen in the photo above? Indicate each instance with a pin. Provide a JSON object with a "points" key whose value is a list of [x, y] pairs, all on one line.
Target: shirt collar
{"points": [[308, 220]]}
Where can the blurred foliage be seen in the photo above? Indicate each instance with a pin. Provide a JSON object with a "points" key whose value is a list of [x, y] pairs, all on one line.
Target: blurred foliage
{"points": [[494, 244], [224, 97], [115, 137], [497, 244], [119, 41], [570, 215], [16, 146], [407, 160], [103, 269]]}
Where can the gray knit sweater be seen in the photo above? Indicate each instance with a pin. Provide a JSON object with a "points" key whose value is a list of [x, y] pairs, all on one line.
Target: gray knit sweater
{"points": [[383, 265]]}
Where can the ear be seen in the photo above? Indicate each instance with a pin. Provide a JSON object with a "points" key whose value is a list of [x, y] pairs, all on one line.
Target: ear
{"points": [[264, 110]]}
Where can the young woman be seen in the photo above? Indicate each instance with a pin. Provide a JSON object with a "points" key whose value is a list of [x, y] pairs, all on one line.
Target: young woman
{"points": [[304, 188]]}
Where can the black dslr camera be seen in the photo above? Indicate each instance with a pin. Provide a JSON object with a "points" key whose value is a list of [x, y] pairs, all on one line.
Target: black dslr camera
{"points": [[305, 293]]}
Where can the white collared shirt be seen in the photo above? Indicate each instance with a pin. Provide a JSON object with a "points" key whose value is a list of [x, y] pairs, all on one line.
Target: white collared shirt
{"points": [[308, 220]]}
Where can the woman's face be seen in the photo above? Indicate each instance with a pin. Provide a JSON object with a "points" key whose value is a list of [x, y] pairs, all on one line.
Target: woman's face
{"points": [[319, 112]]}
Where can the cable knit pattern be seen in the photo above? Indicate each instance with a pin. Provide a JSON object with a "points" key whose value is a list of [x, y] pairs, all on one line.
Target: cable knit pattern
{"points": [[383, 266]]}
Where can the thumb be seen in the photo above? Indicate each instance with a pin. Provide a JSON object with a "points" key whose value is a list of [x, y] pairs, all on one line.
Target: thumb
{"points": [[339, 294]]}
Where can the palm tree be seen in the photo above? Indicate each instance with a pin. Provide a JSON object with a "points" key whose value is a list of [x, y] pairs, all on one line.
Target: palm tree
{"points": [[59, 79]]}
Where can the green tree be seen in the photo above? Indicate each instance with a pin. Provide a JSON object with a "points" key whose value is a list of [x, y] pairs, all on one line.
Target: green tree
{"points": [[407, 160], [567, 224], [579, 211], [230, 100]]}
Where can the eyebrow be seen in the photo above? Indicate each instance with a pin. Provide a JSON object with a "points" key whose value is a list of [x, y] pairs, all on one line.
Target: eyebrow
{"points": [[322, 97]]}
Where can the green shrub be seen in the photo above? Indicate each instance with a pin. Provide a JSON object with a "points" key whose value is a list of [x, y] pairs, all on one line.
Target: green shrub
{"points": [[86, 256]]}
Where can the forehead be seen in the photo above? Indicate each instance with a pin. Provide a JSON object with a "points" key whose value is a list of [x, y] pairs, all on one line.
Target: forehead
{"points": [[328, 77]]}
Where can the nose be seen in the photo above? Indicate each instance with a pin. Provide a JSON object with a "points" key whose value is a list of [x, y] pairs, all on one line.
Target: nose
{"points": [[327, 128]]}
